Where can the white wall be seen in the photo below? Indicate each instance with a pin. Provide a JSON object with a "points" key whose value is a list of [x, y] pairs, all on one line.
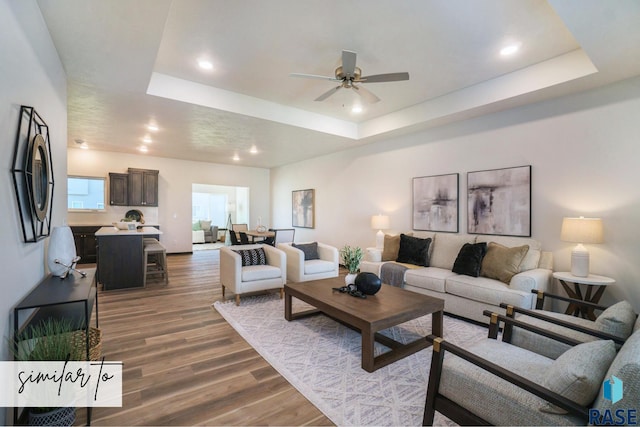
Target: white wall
{"points": [[30, 74], [584, 151], [174, 191]]}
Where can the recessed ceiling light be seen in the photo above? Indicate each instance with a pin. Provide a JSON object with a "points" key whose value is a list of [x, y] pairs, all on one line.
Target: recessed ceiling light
{"points": [[205, 64], [253, 150], [84, 146], [356, 109], [152, 128], [236, 157], [509, 50], [143, 148], [147, 140]]}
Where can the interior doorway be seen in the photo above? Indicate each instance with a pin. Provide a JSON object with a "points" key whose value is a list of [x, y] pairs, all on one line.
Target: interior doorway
{"points": [[213, 207]]}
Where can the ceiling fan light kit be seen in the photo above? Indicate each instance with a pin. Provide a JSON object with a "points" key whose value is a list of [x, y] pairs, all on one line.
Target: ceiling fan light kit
{"points": [[347, 74]]}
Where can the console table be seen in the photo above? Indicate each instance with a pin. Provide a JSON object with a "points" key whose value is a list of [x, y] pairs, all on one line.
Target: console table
{"points": [[593, 282], [71, 298]]}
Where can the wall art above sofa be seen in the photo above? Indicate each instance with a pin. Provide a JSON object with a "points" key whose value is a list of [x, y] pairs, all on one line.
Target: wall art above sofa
{"points": [[435, 203]]}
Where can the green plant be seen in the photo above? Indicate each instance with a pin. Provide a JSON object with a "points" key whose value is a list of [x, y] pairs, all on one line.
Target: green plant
{"points": [[51, 339], [351, 257]]}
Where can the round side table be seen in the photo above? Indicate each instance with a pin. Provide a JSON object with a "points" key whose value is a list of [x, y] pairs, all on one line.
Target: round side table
{"points": [[593, 283]]}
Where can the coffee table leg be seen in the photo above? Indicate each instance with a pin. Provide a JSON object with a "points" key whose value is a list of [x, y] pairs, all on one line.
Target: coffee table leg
{"points": [[287, 305], [368, 341]]}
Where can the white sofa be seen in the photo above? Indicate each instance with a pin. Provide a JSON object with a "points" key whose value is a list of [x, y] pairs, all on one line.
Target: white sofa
{"points": [[301, 270], [468, 296]]}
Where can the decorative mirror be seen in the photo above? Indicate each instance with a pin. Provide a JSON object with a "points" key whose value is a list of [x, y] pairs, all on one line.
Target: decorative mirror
{"points": [[33, 175]]}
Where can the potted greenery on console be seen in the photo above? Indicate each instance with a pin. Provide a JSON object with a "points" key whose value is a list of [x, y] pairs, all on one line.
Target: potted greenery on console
{"points": [[351, 257]]}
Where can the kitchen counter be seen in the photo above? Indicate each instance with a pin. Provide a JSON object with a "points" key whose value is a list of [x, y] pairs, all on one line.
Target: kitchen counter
{"points": [[121, 256], [142, 231]]}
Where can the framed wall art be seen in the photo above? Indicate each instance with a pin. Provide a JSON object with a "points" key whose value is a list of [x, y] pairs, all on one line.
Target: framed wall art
{"points": [[499, 201], [435, 203], [303, 208]]}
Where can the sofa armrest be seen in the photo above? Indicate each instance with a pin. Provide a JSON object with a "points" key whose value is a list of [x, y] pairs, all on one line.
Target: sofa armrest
{"points": [[294, 261], [372, 255], [276, 258], [230, 268], [328, 253], [537, 278]]}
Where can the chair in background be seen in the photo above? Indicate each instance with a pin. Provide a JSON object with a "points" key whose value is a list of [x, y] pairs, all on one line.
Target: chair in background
{"points": [[615, 323], [310, 261], [254, 276], [155, 260], [234, 238], [239, 227], [244, 239], [283, 235]]}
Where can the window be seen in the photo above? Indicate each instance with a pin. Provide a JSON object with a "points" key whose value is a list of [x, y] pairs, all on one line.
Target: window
{"points": [[85, 193]]}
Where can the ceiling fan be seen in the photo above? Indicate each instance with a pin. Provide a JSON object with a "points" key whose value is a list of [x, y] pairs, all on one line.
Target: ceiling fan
{"points": [[348, 74]]}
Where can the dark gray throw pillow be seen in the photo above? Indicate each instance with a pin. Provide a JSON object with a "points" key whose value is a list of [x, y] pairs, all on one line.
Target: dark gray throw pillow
{"points": [[414, 250], [252, 256], [310, 250], [469, 260]]}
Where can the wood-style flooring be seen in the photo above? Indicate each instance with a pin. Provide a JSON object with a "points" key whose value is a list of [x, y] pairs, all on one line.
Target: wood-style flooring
{"points": [[184, 364]]}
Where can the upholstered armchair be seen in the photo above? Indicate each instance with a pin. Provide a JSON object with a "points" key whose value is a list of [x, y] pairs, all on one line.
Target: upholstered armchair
{"points": [[252, 268], [494, 382], [614, 323], [310, 261]]}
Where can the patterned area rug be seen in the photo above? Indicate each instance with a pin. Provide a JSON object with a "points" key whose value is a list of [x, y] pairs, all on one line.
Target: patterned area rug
{"points": [[321, 358]]}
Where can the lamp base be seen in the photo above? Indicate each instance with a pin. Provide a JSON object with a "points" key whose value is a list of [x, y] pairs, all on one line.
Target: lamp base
{"points": [[379, 240], [580, 261]]}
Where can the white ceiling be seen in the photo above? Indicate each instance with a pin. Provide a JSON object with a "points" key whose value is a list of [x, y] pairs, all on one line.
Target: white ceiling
{"points": [[129, 63]]}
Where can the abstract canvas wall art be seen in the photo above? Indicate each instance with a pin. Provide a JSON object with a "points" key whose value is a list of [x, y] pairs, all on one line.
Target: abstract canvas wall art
{"points": [[303, 207], [435, 203], [499, 201]]}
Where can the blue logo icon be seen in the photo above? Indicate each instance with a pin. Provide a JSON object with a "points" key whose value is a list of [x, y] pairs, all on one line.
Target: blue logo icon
{"points": [[612, 389]]}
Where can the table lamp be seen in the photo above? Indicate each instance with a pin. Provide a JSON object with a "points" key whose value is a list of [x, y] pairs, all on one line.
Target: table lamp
{"points": [[581, 230], [380, 222]]}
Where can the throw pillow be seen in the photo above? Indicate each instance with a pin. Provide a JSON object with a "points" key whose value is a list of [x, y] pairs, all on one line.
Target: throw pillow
{"points": [[252, 256], [577, 374], [391, 247], [469, 259], [196, 226], [205, 225], [414, 250], [310, 250], [501, 262], [617, 320]]}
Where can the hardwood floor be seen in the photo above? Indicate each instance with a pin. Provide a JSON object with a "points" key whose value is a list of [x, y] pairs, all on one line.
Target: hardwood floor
{"points": [[183, 364]]}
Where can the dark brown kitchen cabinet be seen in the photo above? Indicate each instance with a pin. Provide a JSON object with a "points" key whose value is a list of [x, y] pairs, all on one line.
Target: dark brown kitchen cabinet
{"points": [[86, 243], [118, 189], [143, 187]]}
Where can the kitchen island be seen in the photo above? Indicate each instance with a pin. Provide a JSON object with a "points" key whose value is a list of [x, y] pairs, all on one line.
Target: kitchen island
{"points": [[120, 261]]}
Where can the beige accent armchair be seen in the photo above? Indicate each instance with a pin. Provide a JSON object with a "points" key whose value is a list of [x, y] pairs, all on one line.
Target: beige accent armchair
{"points": [[301, 270], [252, 278]]}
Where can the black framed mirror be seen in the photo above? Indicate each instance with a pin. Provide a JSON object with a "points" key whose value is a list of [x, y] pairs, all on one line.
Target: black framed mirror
{"points": [[33, 175]]}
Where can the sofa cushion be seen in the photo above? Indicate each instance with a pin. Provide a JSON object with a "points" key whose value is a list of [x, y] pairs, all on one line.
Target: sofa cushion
{"points": [[501, 262], [205, 225], [617, 320], [252, 256], [310, 250], [431, 278], [391, 247], [260, 272], [531, 260], [578, 373], [469, 259], [414, 250], [485, 290], [445, 249], [316, 266]]}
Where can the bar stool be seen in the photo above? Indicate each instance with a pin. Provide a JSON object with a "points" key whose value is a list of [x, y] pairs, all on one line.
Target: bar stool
{"points": [[155, 259]]}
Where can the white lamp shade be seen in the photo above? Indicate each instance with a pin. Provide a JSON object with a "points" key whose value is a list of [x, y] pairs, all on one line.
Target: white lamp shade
{"points": [[380, 222], [582, 230], [62, 247]]}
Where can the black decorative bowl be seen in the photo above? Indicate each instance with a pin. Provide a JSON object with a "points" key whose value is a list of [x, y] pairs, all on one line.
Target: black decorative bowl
{"points": [[368, 283]]}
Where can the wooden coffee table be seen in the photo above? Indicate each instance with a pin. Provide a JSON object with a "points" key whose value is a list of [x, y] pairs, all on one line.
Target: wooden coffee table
{"points": [[389, 307]]}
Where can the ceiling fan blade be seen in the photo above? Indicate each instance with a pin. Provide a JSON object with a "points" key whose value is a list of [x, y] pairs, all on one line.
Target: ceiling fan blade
{"points": [[327, 93], [389, 77], [313, 76], [367, 95], [348, 62]]}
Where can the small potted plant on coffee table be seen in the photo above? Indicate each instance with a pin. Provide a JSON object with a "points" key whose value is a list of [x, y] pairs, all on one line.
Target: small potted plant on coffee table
{"points": [[351, 257]]}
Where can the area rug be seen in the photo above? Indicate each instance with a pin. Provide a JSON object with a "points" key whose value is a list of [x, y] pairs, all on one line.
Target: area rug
{"points": [[321, 358], [207, 246]]}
